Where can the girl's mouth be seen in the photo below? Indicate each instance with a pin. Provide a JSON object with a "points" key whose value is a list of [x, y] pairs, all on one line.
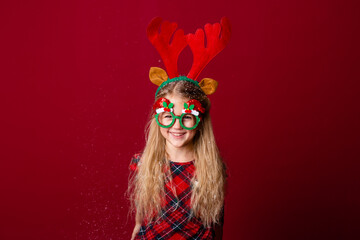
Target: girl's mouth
{"points": [[177, 135]]}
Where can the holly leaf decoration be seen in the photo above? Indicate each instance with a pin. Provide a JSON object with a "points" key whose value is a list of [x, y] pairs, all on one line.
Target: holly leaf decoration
{"points": [[165, 104], [186, 106], [171, 105], [192, 107]]}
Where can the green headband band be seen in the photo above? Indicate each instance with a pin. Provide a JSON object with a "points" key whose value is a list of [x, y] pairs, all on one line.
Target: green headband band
{"points": [[181, 78]]}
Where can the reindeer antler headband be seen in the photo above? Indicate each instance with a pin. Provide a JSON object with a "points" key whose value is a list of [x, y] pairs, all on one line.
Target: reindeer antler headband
{"points": [[217, 36]]}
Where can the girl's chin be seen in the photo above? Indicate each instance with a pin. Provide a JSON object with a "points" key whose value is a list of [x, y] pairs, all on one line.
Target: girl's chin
{"points": [[177, 143]]}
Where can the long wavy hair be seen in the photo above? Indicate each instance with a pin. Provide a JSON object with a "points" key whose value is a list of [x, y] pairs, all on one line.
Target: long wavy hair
{"points": [[146, 186]]}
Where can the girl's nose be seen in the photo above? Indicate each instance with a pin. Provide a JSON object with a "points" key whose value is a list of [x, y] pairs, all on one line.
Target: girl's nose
{"points": [[177, 124]]}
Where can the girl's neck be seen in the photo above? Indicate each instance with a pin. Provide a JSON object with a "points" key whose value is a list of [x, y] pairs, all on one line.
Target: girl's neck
{"points": [[184, 154]]}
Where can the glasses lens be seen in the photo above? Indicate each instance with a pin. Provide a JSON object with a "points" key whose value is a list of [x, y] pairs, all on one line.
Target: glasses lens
{"points": [[188, 120], [165, 118]]}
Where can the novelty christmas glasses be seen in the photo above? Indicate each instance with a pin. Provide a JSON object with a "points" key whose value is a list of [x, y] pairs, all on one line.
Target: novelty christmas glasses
{"points": [[189, 119]]}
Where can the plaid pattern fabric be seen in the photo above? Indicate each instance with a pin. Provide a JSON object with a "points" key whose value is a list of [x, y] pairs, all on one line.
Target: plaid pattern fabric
{"points": [[175, 221]]}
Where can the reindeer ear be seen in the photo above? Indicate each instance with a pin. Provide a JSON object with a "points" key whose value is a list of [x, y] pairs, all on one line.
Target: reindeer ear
{"points": [[157, 75], [208, 85]]}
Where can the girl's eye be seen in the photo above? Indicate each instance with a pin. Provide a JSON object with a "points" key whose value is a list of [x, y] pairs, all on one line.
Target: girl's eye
{"points": [[168, 116], [187, 117]]}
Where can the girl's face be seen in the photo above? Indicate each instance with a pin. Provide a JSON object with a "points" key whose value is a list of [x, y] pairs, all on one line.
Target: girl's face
{"points": [[176, 136]]}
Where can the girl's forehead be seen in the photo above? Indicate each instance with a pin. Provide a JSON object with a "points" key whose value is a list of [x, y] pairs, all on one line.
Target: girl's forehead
{"points": [[176, 99]]}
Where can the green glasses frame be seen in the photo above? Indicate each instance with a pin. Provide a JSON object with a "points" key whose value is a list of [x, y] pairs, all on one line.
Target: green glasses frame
{"points": [[180, 120]]}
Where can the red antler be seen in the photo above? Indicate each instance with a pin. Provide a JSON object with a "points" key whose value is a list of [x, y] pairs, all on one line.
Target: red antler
{"points": [[201, 54], [169, 52]]}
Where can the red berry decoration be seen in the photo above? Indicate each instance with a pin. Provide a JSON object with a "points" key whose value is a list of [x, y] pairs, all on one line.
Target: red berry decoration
{"points": [[162, 103], [194, 104]]}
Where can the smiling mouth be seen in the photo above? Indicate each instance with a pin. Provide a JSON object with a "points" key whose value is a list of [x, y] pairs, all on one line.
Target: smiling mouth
{"points": [[177, 134]]}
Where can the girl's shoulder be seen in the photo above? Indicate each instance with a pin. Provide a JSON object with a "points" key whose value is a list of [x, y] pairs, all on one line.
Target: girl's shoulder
{"points": [[135, 161]]}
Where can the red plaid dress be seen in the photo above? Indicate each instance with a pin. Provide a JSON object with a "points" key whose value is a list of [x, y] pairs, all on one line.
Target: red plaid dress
{"points": [[175, 221]]}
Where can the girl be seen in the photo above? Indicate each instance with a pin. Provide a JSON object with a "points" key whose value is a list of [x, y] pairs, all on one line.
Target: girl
{"points": [[177, 183]]}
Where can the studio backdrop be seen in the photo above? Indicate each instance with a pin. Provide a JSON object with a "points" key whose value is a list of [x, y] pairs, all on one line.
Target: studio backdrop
{"points": [[76, 96]]}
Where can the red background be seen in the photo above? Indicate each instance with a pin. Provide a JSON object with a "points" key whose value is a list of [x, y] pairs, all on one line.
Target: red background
{"points": [[75, 96]]}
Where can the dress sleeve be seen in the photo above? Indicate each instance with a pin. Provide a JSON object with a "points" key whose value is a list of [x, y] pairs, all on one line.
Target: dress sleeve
{"points": [[135, 162]]}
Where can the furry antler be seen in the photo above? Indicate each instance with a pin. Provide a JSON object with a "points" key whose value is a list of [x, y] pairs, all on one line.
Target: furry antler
{"points": [[169, 52], [215, 44]]}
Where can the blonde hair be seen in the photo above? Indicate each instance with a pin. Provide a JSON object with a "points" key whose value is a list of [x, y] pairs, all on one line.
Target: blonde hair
{"points": [[146, 187]]}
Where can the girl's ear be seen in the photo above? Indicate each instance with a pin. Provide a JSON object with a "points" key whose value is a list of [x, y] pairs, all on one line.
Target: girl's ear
{"points": [[157, 75], [208, 85]]}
